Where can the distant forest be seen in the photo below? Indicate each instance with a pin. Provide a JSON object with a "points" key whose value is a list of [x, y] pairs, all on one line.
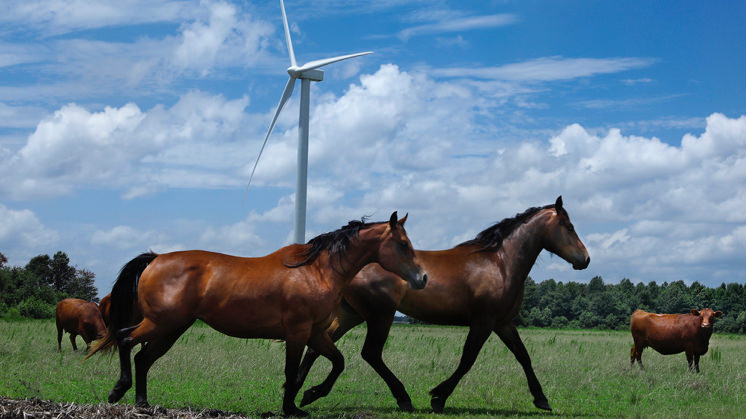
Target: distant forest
{"points": [[34, 290]]}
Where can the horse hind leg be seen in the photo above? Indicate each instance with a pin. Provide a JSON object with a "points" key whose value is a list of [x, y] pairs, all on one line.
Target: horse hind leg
{"points": [[124, 345], [151, 351], [323, 345], [478, 334], [345, 319]]}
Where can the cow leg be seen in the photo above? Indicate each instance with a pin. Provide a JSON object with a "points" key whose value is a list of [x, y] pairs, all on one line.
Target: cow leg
{"points": [[59, 337], [696, 362], [689, 359], [509, 335], [636, 353], [478, 334], [72, 340], [375, 339], [322, 344]]}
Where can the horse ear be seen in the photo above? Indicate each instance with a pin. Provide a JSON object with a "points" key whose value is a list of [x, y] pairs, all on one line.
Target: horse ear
{"points": [[404, 219], [695, 311], [718, 313], [392, 220], [558, 203]]}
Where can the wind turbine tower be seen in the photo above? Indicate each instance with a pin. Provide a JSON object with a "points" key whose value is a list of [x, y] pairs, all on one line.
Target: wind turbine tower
{"points": [[306, 73]]}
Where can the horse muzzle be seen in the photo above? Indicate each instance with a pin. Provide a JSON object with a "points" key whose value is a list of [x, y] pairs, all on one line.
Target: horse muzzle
{"points": [[419, 281], [582, 265]]}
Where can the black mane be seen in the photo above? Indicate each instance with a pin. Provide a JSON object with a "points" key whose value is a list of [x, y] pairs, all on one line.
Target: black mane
{"points": [[335, 242], [491, 238]]}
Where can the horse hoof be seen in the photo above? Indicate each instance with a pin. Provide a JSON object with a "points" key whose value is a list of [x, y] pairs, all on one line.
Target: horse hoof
{"points": [[142, 404], [406, 405], [542, 404], [437, 403], [309, 396]]}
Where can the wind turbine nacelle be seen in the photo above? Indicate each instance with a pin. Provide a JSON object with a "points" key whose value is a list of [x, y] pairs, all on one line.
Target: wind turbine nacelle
{"points": [[313, 74]]}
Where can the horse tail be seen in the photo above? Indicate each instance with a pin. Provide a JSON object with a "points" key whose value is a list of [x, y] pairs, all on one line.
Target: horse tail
{"points": [[123, 299]]}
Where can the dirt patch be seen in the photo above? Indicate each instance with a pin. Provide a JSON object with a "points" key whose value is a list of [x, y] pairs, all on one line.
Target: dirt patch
{"points": [[37, 409]]}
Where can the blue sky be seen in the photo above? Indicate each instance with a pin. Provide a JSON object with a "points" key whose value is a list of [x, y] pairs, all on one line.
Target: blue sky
{"points": [[131, 127]]}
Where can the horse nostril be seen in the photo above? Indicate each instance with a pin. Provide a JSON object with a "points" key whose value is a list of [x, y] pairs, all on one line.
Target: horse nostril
{"points": [[424, 279]]}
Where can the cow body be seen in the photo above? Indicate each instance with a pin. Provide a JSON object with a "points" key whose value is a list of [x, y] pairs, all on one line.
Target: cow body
{"points": [[672, 334], [78, 317]]}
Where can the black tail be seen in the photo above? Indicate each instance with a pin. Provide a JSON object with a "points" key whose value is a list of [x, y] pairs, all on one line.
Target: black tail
{"points": [[123, 296]]}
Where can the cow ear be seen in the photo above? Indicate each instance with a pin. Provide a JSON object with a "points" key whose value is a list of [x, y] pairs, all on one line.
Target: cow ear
{"points": [[695, 312], [718, 313]]}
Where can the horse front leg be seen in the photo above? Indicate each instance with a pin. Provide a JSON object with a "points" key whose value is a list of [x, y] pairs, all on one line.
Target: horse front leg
{"points": [[478, 334], [509, 335], [295, 342], [322, 344]]}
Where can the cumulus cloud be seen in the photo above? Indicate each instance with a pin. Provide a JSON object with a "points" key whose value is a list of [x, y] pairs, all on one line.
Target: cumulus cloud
{"points": [[128, 148], [21, 231]]}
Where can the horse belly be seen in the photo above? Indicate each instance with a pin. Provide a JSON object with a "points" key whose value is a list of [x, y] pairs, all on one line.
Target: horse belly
{"points": [[245, 319]]}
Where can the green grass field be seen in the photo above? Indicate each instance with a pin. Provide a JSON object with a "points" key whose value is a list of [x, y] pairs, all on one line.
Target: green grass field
{"points": [[584, 374]]}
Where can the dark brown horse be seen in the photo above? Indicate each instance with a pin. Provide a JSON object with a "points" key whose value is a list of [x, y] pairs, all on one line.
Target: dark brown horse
{"points": [[78, 317], [478, 284], [290, 294]]}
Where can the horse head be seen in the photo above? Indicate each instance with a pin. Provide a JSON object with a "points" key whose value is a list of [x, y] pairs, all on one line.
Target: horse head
{"points": [[562, 240], [396, 254]]}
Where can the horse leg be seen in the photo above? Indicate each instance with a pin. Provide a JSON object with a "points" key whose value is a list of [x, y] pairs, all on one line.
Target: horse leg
{"points": [[125, 365], [478, 334], [151, 351], [345, 320], [509, 335], [375, 339], [295, 342], [323, 345]]}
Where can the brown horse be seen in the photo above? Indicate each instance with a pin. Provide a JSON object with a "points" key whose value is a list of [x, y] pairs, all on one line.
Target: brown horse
{"points": [[78, 317], [289, 294], [478, 284], [105, 306]]}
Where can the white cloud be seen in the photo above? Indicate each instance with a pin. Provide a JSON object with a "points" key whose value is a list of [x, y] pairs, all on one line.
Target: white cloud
{"points": [[21, 230], [459, 24], [547, 69]]}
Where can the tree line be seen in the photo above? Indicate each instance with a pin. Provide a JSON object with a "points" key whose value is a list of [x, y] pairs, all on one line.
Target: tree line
{"points": [[597, 305], [34, 290]]}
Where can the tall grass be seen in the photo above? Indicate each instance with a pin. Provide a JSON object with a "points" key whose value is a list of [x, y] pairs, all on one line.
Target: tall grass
{"points": [[584, 374]]}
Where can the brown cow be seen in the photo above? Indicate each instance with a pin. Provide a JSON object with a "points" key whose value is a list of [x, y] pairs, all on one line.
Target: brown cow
{"points": [[79, 317], [672, 333]]}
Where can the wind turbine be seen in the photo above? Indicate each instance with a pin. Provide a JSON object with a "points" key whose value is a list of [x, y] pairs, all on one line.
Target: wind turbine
{"points": [[306, 73]]}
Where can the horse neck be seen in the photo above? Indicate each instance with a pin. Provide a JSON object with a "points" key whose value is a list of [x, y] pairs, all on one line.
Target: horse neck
{"points": [[521, 248], [360, 252]]}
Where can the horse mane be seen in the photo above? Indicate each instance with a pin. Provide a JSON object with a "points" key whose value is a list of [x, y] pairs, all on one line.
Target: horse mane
{"points": [[335, 242], [491, 238]]}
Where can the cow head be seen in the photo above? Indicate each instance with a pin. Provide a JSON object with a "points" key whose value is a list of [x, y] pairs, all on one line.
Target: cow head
{"points": [[707, 316]]}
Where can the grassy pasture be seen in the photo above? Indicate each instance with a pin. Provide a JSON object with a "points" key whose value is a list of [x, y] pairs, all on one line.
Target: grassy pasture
{"points": [[584, 374]]}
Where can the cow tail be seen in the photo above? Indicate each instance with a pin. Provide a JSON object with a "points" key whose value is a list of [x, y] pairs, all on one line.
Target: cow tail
{"points": [[123, 299]]}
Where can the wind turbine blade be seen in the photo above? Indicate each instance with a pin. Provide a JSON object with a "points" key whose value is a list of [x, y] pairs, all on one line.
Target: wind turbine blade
{"points": [[320, 63], [287, 35], [285, 96]]}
